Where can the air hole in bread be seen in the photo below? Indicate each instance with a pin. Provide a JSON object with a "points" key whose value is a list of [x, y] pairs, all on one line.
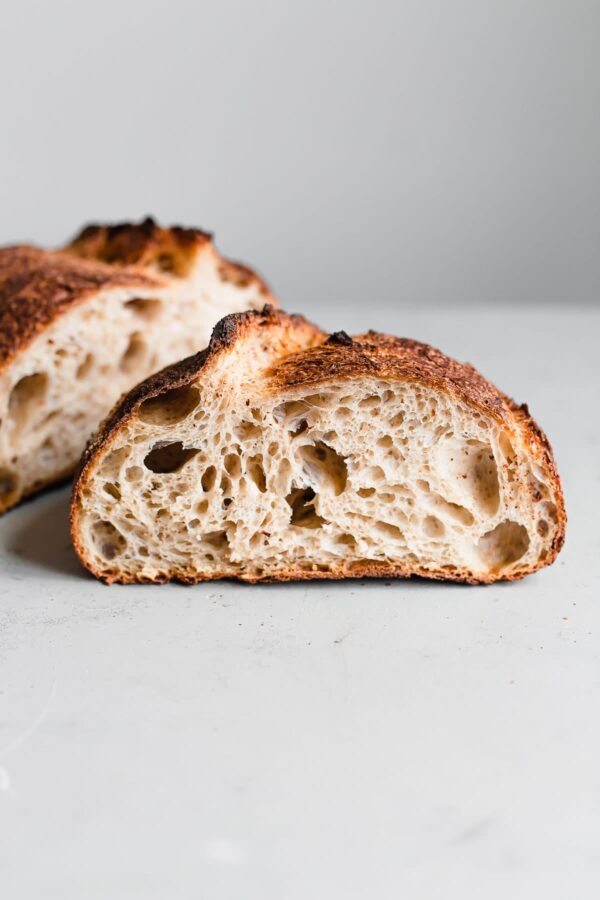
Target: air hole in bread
{"points": [[85, 367], [366, 492], [167, 458], [323, 467], [346, 540], [291, 413], [540, 490], [169, 407], [134, 473], [233, 465], [208, 479], [108, 540], [386, 442], [506, 448], [303, 509], [542, 528], [445, 507], [112, 489], [369, 402], [343, 413], [502, 546], [320, 401], [299, 428], [471, 466], [374, 474], [389, 530], [433, 527], [145, 308], [27, 397], [216, 539], [136, 353], [361, 564], [257, 473], [548, 509], [247, 430]]}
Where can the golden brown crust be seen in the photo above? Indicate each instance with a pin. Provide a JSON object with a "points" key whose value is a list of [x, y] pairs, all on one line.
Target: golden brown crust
{"points": [[140, 244], [37, 286], [384, 356], [171, 251], [366, 569], [324, 359]]}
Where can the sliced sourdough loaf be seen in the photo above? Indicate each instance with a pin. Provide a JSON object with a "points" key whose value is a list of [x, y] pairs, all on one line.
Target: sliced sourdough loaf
{"points": [[281, 453], [81, 326]]}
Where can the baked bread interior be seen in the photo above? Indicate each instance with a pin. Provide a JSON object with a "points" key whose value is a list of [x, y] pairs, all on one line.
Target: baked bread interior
{"points": [[283, 453], [81, 326]]}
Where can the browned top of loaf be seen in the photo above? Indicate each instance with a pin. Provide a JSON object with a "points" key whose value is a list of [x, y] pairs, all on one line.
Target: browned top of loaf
{"points": [[309, 357], [170, 250], [384, 356], [144, 244], [37, 286]]}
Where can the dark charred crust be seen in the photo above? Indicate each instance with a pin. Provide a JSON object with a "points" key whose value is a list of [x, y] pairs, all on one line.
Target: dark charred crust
{"points": [[170, 250], [339, 337], [129, 243], [323, 360], [37, 286]]}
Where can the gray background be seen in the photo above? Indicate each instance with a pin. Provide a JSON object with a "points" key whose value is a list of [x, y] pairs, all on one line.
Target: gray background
{"points": [[356, 152]]}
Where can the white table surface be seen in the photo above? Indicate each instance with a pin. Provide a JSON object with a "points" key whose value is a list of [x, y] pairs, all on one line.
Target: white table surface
{"points": [[325, 740]]}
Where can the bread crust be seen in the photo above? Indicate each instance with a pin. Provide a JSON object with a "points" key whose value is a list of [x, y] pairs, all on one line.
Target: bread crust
{"points": [[134, 244], [329, 358], [170, 250], [37, 286]]}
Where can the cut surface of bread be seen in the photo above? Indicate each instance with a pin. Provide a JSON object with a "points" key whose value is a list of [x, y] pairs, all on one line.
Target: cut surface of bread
{"points": [[81, 326], [282, 453]]}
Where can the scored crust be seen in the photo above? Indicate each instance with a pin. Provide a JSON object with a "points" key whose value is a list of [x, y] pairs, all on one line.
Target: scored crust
{"points": [[305, 357]]}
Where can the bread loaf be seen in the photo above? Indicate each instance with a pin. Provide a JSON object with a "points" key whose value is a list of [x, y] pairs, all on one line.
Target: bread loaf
{"points": [[81, 326], [283, 453]]}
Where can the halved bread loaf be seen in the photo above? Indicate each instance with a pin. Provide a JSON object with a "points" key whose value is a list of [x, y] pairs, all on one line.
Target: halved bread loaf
{"points": [[81, 326], [281, 453]]}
